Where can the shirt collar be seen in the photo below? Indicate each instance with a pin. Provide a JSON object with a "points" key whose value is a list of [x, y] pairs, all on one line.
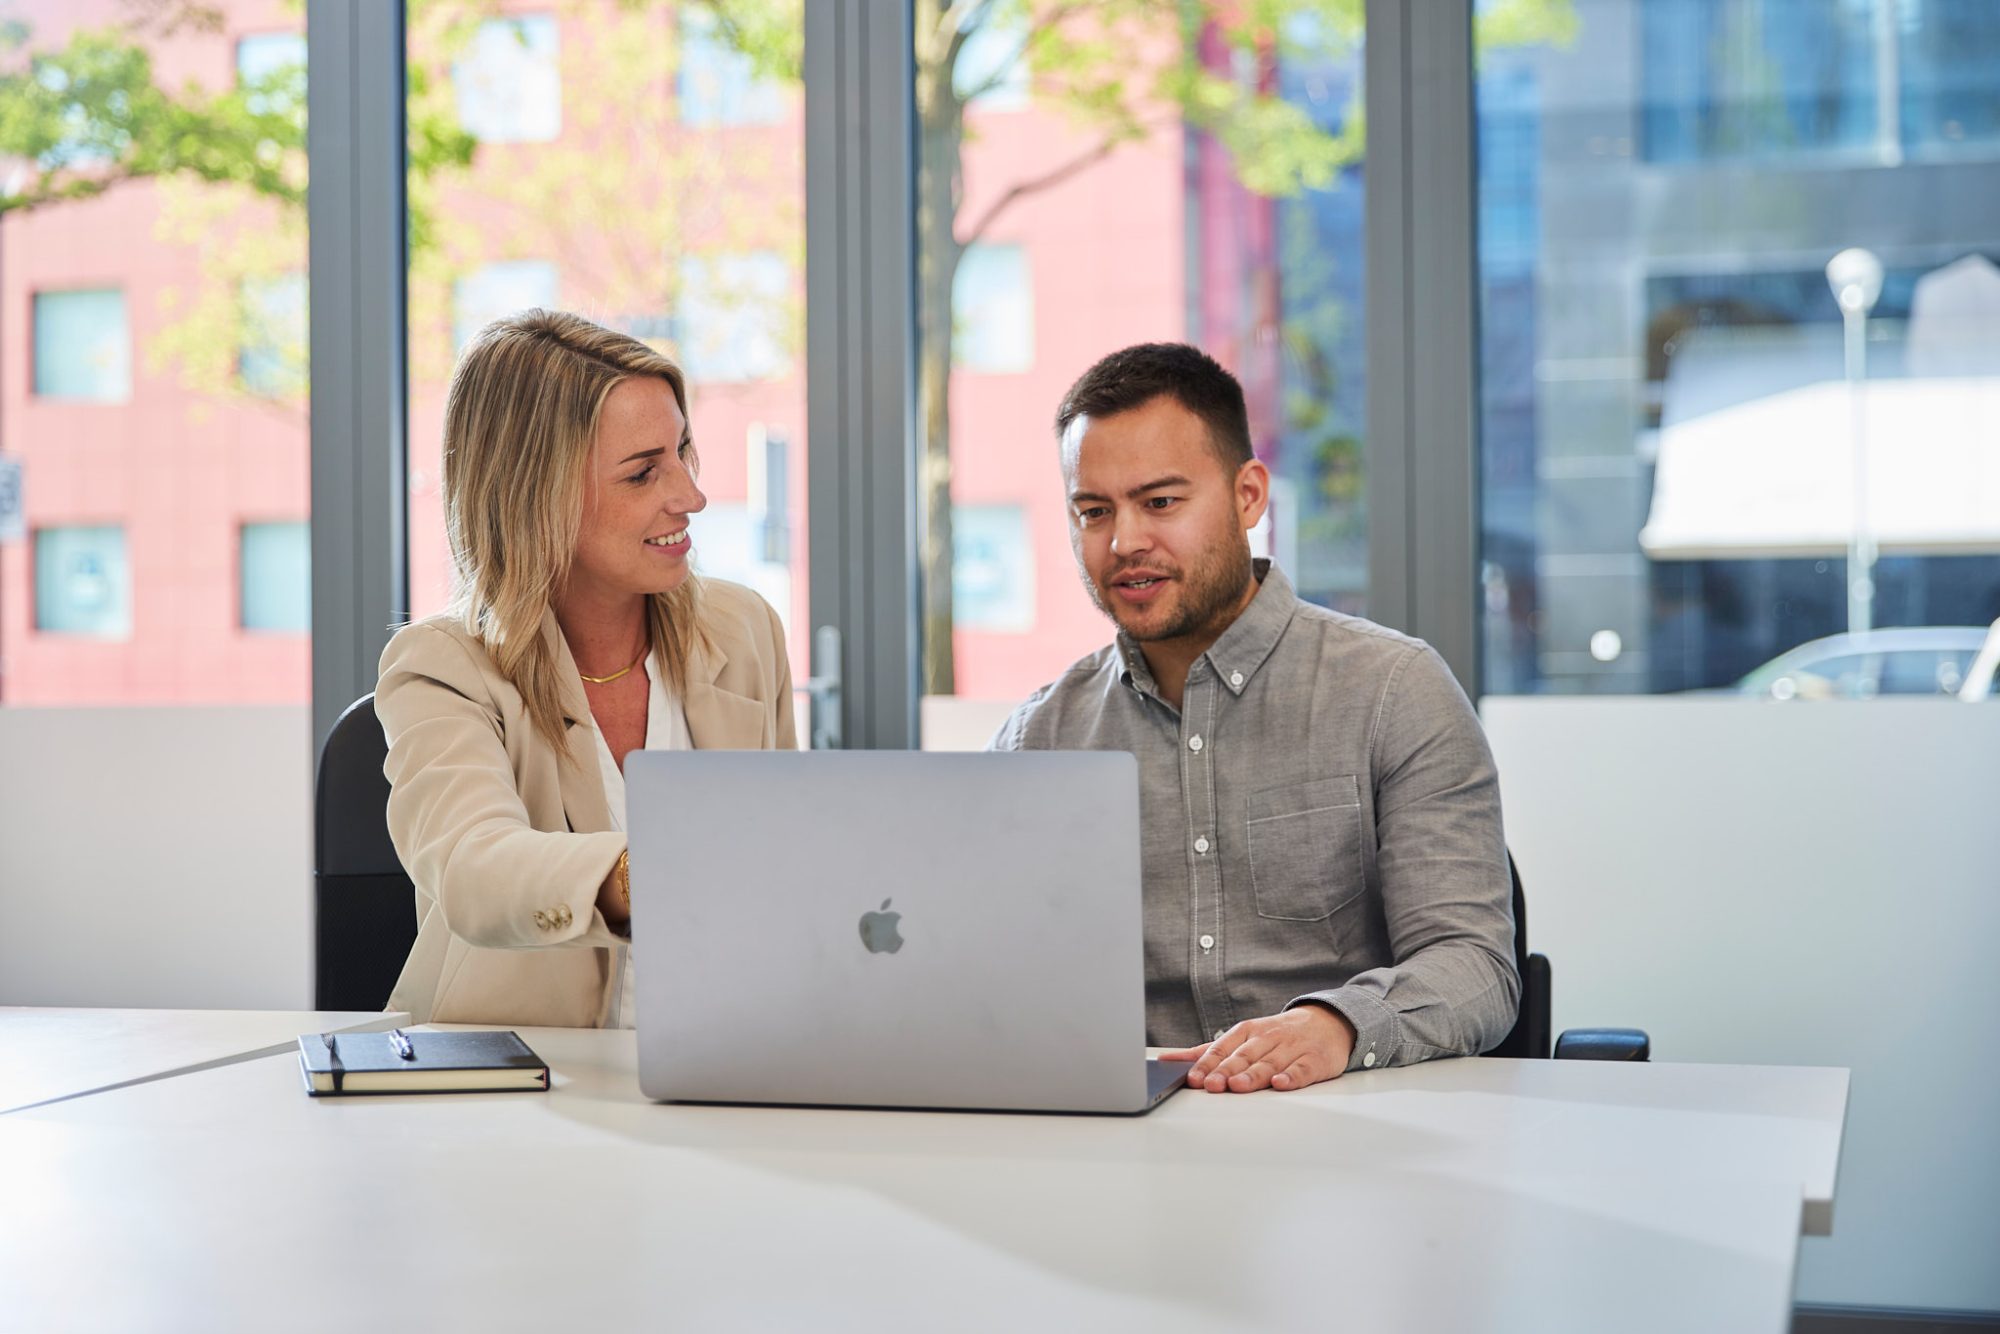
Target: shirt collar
{"points": [[1243, 647]]}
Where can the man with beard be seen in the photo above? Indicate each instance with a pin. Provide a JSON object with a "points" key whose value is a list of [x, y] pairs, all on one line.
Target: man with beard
{"points": [[1326, 885]]}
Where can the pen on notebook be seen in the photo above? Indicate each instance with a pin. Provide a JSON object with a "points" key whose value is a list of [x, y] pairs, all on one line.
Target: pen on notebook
{"points": [[401, 1042]]}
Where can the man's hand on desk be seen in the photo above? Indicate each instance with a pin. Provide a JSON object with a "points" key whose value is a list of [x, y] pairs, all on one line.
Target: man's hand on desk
{"points": [[1302, 1046]]}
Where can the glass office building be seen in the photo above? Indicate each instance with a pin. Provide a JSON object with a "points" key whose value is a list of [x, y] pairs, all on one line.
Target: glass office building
{"points": [[1659, 196]]}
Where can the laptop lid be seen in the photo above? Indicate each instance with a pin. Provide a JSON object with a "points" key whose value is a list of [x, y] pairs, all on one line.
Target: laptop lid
{"points": [[888, 928]]}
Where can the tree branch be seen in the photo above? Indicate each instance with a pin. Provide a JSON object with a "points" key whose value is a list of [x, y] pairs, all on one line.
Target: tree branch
{"points": [[1035, 185], [69, 191], [965, 20]]}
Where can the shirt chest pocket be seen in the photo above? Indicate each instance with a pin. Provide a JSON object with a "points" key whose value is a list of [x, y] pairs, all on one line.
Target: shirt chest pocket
{"points": [[1305, 848]]}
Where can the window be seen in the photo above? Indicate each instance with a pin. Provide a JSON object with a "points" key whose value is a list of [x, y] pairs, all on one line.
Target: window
{"points": [[718, 84], [643, 220], [1755, 79], [494, 290], [1692, 461], [1742, 78], [272, 359], [82, 584], [1946, 62], [993, 305], [991, 71], [1179, 174], [155, 397], [508, 83], [733, 317], [266, 60], [276, 577], [729, 543], [993, 568], [83, 346]]}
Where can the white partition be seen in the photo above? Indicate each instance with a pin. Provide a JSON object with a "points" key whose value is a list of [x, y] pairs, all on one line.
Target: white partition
{"points": [[156, 857], [1793, 883], [952, 722]]}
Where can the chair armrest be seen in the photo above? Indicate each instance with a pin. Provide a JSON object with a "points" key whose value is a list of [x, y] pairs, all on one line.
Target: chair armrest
{"points": [[1603, 1044]]}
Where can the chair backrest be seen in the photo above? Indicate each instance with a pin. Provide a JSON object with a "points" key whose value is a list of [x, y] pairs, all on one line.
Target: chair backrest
{"points": [[1530, 1035], [365, 906]]}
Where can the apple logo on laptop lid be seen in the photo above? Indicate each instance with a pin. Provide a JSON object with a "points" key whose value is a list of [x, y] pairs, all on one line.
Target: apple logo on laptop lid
{"points": [[878, 930]]}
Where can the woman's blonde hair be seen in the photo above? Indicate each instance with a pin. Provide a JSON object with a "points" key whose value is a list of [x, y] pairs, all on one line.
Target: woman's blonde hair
{"points": [[519, 424]]}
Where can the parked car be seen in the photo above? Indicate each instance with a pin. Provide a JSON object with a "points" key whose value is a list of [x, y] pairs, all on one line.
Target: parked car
{"points": [[1940, 660]]}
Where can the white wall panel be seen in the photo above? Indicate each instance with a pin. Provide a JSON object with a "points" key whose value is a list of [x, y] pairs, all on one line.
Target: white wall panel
{"points": [[1793, 884], [156, 857]]}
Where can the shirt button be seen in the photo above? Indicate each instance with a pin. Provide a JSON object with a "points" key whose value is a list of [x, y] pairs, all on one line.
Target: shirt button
{"points": [[1208, 942], [1194, 744], [1368, 1061], [1236, 679], [1201, 844]]}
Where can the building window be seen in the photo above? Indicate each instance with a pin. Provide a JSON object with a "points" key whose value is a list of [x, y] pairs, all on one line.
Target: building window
{"points": [[277, 577], [495, 290], [83, 346], [734, 315], [1724, 79], [272, 358], [993, 305], [992, 569], [718, 84], [508, 84], [266, 65], [991, 71], [82, 583]]}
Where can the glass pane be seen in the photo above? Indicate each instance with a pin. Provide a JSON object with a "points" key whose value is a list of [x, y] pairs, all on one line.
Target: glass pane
{"points": [[83, 585], [506, 79], [153, 421], [277, 577], [640, 164], [83, 346], [1095, 176], [1702, 445]]}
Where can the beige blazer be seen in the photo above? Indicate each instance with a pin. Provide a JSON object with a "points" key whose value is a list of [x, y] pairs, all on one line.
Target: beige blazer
{"points": [[508, 842]]}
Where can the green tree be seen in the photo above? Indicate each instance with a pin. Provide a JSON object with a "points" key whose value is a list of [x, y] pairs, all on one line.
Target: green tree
{"points": [[1088, 58], [82, 118], [636, 202]]}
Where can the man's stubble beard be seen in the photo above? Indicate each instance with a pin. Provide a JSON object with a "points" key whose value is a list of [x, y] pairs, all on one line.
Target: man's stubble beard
{"points": [[1212, 588]]}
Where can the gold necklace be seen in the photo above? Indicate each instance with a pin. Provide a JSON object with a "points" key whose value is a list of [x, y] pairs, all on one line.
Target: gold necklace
{"points": [[602, 680]]}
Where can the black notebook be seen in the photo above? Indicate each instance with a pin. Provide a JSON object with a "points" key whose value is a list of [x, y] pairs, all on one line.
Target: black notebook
{"points": [[397, 1062]]}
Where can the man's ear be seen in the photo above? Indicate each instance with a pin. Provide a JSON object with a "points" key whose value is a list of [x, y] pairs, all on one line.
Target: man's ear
{"points": [[1253, 492]]}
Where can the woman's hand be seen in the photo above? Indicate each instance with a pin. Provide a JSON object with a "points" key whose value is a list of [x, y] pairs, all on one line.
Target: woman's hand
{"points": [[614, 896]]}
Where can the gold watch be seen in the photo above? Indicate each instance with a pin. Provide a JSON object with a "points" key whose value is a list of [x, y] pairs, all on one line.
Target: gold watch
{"points": [[625, 881]]}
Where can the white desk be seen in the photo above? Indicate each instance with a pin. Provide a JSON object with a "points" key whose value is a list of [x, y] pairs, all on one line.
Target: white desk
{"points": [[1777, 1123], [47, 1054], [1454, 1196]]}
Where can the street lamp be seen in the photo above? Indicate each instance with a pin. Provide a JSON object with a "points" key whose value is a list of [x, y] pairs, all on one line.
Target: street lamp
{"points": [[1855, 276]]}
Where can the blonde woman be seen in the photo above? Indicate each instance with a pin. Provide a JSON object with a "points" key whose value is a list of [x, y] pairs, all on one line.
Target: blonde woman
{"points": [[578, 633]]}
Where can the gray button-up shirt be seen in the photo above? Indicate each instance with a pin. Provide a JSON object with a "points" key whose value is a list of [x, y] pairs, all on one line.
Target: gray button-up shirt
{"points": [[1321, 824]]}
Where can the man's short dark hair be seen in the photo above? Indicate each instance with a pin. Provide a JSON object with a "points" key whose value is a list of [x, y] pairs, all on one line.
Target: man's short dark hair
{"points": [[1138, 375]]}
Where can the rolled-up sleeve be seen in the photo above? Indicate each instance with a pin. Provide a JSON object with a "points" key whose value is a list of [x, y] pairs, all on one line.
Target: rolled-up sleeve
{"points": [[1446, 893]]}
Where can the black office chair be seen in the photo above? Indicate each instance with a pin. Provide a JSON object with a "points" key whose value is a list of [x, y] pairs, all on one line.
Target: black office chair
{"points": [[1530, 1035], [364, 905]]}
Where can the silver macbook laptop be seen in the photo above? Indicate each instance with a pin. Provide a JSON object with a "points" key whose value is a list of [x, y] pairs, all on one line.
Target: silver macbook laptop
{"points": [[890, 929]]}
